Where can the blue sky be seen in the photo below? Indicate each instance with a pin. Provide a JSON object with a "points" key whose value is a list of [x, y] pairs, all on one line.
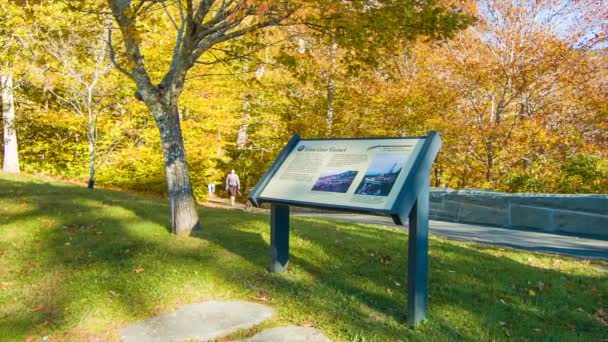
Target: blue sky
{"points": [[382, 163]]}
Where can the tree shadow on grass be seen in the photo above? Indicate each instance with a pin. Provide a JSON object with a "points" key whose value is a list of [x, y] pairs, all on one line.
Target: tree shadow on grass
{"points": [[89, 247]]}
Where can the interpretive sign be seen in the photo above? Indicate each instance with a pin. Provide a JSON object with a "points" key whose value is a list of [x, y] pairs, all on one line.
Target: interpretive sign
{"points": [[385, 176], [360, 174]]}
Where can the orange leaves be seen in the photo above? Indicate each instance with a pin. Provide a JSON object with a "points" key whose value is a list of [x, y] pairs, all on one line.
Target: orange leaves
{"points": [[262, 6]]}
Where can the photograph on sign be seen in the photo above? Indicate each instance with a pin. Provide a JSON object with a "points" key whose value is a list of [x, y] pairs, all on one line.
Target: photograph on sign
{"points": [[335, 181], [356, 173], [381, 175]]}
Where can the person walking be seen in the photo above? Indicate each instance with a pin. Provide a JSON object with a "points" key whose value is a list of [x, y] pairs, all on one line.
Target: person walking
{"points": [[233, 185], [211, 189]]}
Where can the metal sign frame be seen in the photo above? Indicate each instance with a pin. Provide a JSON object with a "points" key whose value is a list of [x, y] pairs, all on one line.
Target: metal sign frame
{"points": [[411, 204]]}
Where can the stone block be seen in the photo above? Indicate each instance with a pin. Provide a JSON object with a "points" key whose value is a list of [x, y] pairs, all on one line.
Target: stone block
{"points": [[524, 216], [597, 204], [581, 223], [480, 197], [472, 213]]}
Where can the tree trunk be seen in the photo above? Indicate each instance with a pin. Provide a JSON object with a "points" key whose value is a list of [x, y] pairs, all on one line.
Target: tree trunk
{"points": [[92, 137], [331, 87], [11, 154], [184, 217], [242, 135], [91, 184]]}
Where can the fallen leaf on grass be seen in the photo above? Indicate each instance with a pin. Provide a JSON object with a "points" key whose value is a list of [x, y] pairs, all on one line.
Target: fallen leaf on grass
{"points": [[540, 286], [260, 298], [113, 294], [139, 269], [38, 308], [30, 338], [386, 259], [307, 325], [503, 324], [539, 330], [6, 283], [601, 316], [572, 327]]}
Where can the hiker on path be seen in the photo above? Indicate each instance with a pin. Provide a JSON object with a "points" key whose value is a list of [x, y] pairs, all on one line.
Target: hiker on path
{"points": [[233, 185], [211, 189]]}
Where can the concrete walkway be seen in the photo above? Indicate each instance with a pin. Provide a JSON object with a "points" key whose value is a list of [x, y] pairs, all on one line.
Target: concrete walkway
{"points": [[586, 248], [515, 238]]}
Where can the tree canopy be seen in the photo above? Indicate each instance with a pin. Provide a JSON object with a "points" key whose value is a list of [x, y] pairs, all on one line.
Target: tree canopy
{"points": [[519, 93]]}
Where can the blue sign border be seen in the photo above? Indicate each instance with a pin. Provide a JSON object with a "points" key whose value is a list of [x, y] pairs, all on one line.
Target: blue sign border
{"points": [[404, 201]]}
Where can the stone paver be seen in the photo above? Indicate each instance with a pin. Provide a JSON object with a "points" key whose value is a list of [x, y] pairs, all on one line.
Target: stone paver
{"points": [[201, 321], [288, 334]]}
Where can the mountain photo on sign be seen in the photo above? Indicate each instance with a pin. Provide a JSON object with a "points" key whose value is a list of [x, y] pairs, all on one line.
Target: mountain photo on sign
{"points": [[335, 181], [381, 175]]}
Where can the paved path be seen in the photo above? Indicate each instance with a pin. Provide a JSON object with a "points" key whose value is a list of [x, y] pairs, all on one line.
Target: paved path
{"points": [[586, 248], [514, 238]]}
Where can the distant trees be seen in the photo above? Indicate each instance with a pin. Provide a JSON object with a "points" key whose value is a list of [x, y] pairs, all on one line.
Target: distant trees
{"points": [[520, 97], [200, 26]]}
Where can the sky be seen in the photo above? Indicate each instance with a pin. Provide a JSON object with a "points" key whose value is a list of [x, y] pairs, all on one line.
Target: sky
{"points": [[382, 163]]}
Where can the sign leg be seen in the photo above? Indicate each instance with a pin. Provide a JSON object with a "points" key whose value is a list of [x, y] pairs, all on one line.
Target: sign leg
{"points": [[417, 262], [279, 238]]}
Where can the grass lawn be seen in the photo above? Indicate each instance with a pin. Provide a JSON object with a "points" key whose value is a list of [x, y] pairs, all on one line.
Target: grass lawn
{"points": [[79, 265]]}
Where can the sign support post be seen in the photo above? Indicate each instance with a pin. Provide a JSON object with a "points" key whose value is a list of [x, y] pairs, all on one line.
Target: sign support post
{"points": [[417, 258], [279, 237]]}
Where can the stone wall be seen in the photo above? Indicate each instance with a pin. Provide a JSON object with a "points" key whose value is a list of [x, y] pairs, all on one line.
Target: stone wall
{"points": [[575, 214]]}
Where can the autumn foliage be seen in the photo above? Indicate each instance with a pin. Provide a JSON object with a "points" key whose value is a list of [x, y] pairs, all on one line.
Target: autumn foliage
{"points": [[520, 96]]}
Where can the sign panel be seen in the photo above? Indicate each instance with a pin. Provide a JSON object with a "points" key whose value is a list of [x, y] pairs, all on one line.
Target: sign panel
{"points": [[362, 174]]}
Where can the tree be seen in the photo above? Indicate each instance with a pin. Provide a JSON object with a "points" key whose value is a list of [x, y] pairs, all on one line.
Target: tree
{"points": [[10, 162], [202, 25], [515, 74], [83, 63], [199, 28], [11, 23]]}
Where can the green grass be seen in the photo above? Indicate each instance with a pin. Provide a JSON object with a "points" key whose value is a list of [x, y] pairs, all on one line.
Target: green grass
{"points": [[68, 261]]}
